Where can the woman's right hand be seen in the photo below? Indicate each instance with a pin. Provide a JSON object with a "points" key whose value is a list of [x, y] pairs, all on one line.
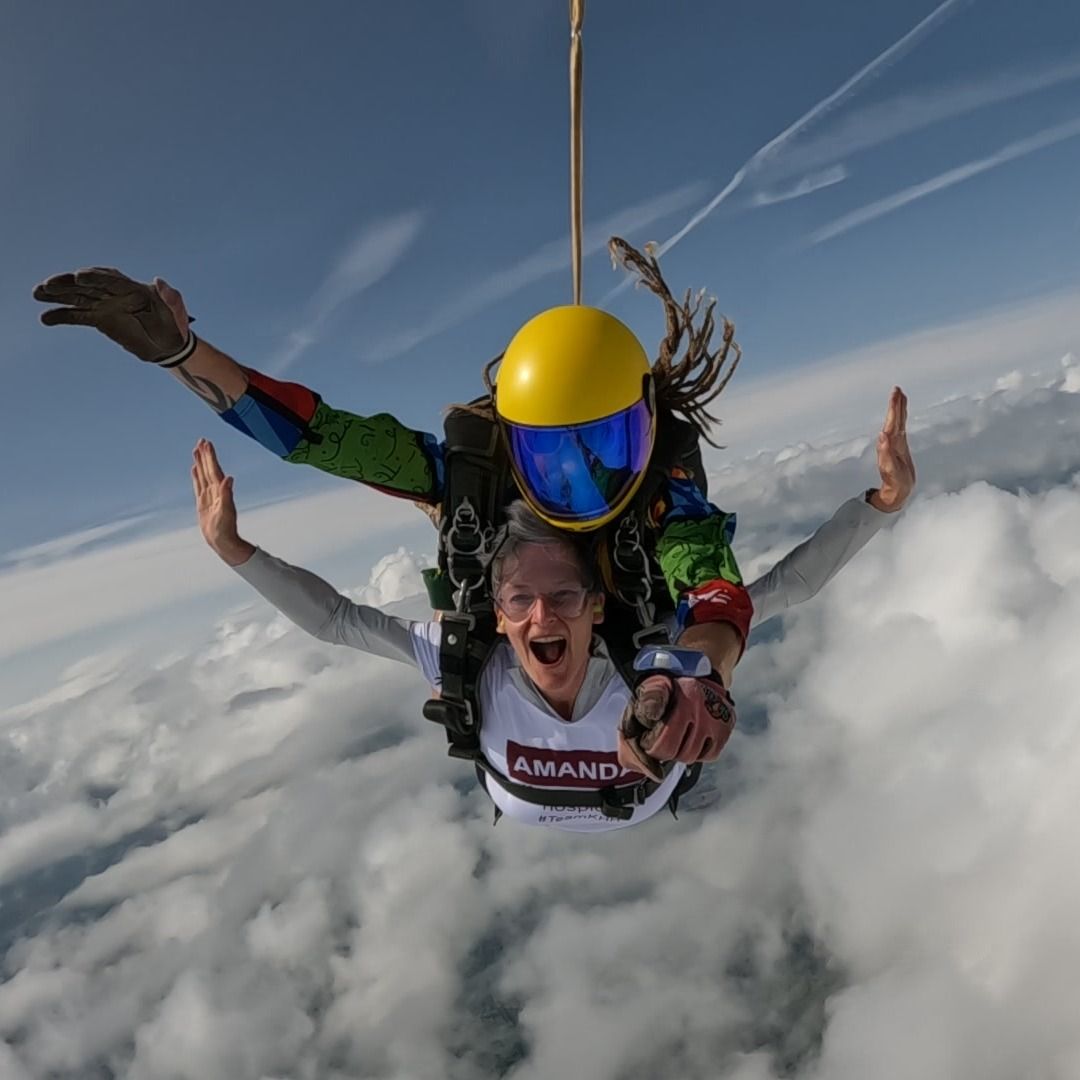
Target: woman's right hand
{"points": [[215, 506]]}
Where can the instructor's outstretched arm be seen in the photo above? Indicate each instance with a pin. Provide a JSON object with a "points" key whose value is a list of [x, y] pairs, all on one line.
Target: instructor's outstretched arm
{"points": [[151, 321]]}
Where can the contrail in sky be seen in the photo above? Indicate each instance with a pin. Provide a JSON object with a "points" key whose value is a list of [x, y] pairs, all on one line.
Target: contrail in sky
{"points": [[773, 146], [874, 210]]}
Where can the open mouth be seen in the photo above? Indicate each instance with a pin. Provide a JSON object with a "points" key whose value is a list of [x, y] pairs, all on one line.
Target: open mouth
{"points": [[548, 650]]}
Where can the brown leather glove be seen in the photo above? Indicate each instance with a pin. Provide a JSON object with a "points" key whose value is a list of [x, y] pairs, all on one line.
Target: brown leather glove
{"points": [[131, 313], [684, 719]]}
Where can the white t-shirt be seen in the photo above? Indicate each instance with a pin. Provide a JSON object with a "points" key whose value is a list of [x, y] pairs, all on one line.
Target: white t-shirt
{"points": [[529, 743]]}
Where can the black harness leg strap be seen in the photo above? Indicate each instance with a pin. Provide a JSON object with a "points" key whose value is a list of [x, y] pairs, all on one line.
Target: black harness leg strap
{"points": [[454, 707], [614, 802]]}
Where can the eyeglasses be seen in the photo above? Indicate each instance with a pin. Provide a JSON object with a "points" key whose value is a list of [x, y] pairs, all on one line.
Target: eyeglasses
{"points": [[517, 606]]}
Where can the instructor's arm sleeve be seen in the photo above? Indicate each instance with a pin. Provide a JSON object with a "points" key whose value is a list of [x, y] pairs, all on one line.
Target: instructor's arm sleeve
{"points": [[807, 569], [693, 548], [296, 424], [318, 608]]}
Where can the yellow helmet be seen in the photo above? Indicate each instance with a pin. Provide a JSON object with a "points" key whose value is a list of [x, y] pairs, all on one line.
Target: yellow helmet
{"points": [[575, 399]]}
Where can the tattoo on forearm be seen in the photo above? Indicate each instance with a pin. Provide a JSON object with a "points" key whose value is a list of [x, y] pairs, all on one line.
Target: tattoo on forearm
{"points": [[210, 392]]}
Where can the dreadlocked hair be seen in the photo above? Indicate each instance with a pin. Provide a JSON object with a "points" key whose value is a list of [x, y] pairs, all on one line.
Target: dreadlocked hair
{"points": [[686, 386]]}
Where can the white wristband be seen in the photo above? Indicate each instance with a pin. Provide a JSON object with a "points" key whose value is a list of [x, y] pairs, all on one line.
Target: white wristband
{"points": [[178, 358]]}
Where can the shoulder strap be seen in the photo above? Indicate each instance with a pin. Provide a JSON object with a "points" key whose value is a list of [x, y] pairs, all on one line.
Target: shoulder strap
{"points": [[474, 500], [632, 573], [472, 512], [468, 640]]}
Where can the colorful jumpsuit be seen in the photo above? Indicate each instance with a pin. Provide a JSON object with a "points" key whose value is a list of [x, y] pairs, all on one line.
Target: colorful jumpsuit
{"points": [[692, 537]]}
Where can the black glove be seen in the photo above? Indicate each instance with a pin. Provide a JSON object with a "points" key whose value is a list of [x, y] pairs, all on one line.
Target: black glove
{"points": [[129, 312]]}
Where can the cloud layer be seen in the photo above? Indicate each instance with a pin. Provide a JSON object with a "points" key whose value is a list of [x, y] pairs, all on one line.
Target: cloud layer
{"points": [[254, 859]]}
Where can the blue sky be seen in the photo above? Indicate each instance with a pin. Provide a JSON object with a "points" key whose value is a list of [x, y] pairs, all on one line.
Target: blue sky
{"points": [[371, 198]]}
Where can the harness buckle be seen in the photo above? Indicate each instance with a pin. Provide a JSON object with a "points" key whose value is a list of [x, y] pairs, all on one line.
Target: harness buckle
{"points": [[466, 619], [466, 542], [610, 807], [657, 634], [455, 716], [620, 802]]}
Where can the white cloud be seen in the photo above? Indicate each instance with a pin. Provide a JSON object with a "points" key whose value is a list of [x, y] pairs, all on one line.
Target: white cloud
{"points": [[767, 153], [69, 544], [254, 859], [1021, 148], [884, 121], [371, 255], [106, 584], [367, 260], [834, 396], [836, 174]]}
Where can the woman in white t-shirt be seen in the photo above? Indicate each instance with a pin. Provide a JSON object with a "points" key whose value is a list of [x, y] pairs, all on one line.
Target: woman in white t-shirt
{"points": [[564, 740]]}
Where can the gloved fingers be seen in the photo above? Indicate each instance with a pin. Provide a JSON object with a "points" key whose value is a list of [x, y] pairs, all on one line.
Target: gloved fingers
{"points": [[108, 281], [63, 289], [710, 749], [667, 742], [651, 700], [633, 757], [692, 745], [69, 317]]}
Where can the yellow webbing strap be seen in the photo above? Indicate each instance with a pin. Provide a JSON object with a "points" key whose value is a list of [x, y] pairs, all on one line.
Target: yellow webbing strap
{"points": [[577, 17]]}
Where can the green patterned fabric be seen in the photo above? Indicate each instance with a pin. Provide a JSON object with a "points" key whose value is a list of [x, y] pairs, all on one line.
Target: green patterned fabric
{"points": [[375, 450], [693, 552]]}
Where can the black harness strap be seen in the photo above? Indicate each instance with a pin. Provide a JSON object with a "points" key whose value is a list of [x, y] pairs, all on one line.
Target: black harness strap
{"points": [[477, 477], [613, 802], [478, 488]]}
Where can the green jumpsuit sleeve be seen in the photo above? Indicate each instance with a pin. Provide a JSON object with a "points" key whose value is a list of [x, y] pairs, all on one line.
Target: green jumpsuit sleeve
{"points": [[296, 424]]}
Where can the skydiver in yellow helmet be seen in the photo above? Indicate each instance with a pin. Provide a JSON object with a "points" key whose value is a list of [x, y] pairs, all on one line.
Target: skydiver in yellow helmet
{"points": [[576, 402]]}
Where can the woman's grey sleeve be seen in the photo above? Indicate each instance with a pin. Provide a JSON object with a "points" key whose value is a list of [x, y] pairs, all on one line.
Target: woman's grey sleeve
{"points": [[317, 607], [809, 568]]}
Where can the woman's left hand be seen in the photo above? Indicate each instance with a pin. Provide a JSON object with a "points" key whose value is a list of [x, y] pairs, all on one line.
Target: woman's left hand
{"points": [[894, 457]]}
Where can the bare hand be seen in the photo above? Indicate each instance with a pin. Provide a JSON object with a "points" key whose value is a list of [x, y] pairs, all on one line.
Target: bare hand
{"points": [[894, 457], [215, 506]]}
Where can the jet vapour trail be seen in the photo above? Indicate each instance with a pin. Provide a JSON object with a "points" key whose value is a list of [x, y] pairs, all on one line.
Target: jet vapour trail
{"points": [[874, 210], [773, 146]]}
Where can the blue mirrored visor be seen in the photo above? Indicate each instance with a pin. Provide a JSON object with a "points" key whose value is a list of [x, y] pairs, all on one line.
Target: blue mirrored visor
{"points": [[579, 473]]}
